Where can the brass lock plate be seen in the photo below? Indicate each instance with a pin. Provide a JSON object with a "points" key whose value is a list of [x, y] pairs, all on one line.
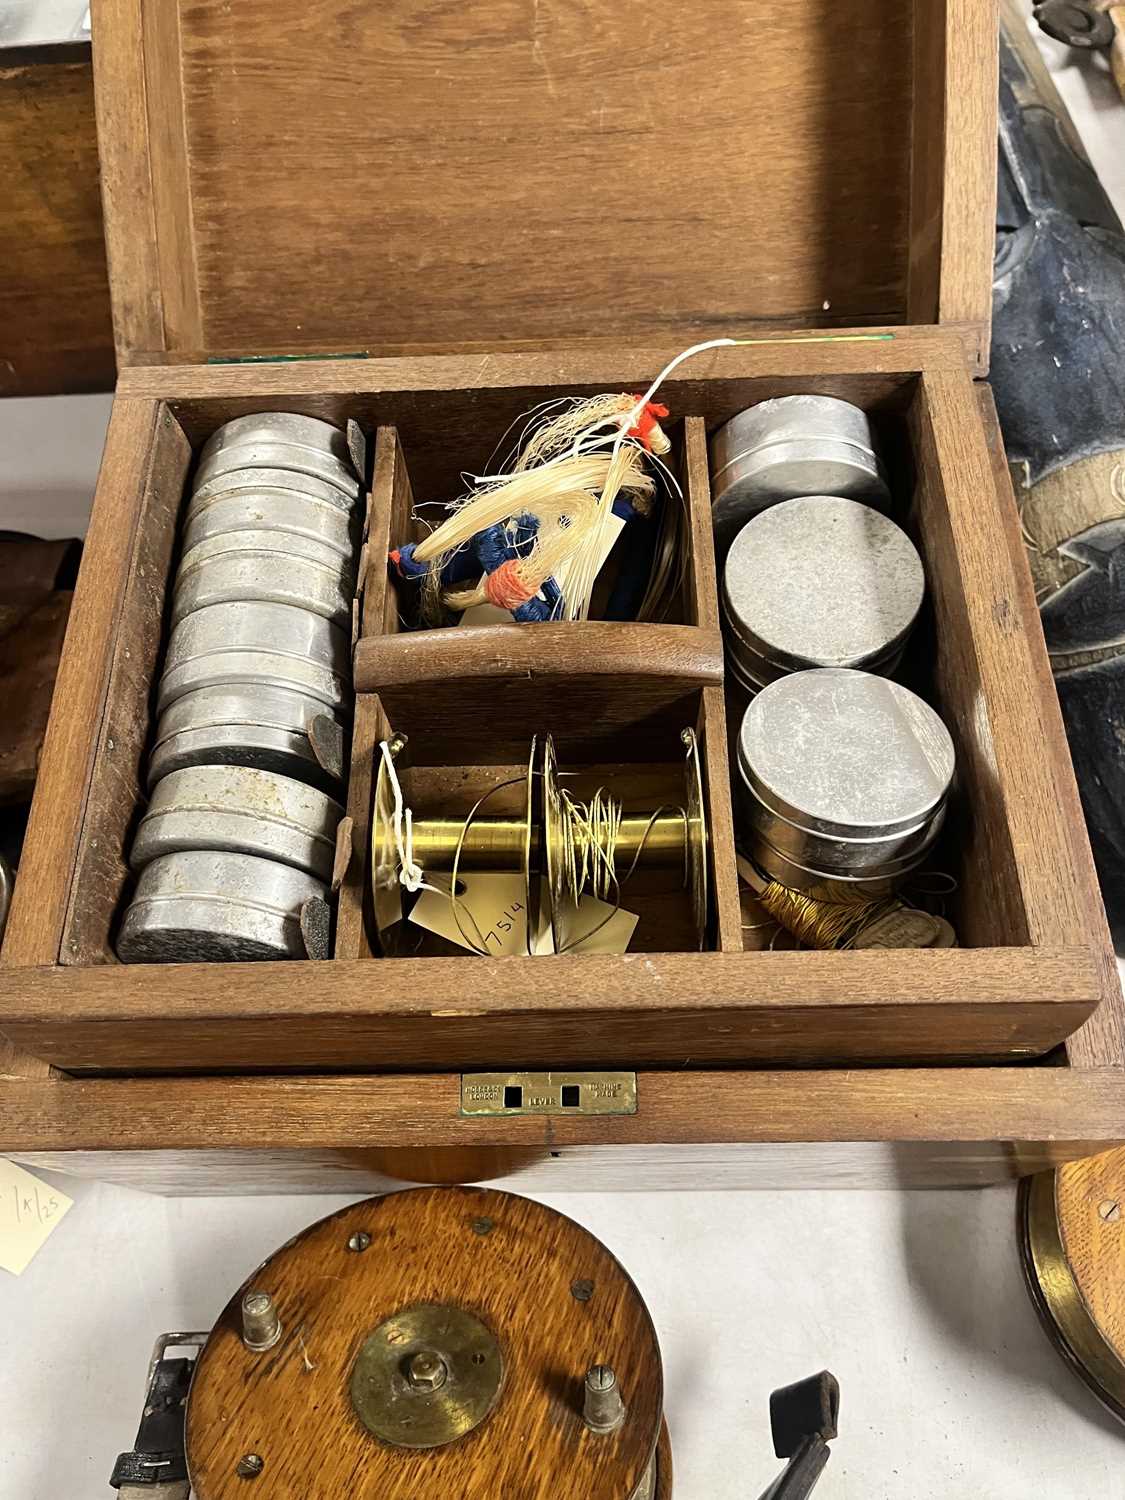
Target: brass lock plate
{"points": [[554, 1093]]}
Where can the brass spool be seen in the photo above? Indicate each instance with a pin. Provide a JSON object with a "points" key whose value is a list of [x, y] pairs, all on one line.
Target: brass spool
{"points": [[1072, 1247], [531, 842], [432, 1343]]}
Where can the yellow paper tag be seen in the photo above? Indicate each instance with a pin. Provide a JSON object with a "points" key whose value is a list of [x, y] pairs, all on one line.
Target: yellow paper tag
{"points": [[493, 915], [591, 927], [492, 911], [29, 1212]]}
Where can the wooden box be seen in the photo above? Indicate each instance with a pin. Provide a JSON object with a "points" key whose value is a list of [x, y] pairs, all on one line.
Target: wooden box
{"points": [[426, 220]]}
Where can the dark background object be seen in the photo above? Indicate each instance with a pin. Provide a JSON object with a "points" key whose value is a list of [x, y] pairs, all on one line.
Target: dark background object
{"points": [[1059, 378], [36, 582]]}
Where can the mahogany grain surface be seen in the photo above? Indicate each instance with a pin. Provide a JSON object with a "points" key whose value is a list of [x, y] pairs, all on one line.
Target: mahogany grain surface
{"points": [[513, 1264]]}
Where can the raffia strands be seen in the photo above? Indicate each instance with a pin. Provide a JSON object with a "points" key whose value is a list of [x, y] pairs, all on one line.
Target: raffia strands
{"points": [[572, 498], [557, 436]]}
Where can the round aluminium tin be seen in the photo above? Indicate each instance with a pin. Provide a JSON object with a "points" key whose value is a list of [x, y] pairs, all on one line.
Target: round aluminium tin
{"points": [[787, 447], [199, 906], [268, 645], [833, 851], [249, 724], [268, 566], [847, 753], [232, 481], [822, 582], [816, 883], [287, 512], [740, 673], [280, 440], [759, 670], [242, 810]]}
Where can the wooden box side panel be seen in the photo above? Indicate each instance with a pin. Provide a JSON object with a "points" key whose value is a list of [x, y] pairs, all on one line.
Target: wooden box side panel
{"points": [[55, 833], [644, 1009], [889, 1128], [1101, 1041], [1022, 839], [117, 790]]}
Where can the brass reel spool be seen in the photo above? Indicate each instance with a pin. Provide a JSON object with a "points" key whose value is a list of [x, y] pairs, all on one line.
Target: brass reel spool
{"points": [[432, 1343], [1072, 1247], [531, 842]]}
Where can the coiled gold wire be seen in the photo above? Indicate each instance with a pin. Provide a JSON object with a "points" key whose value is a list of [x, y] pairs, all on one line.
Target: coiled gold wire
{"points": [[821, 924]]}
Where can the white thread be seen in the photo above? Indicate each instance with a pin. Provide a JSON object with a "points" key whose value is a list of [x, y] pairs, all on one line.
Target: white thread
{"points": [[411, 875]]}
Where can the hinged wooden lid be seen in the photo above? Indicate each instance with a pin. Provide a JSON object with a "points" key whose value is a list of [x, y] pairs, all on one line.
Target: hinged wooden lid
{"points": [[424, 175]]}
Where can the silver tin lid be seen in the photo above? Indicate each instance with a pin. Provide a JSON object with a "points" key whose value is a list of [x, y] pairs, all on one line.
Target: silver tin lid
{"points": [[282, 510], [230, 481], [271, 566], [788, 447], [242, 810], [822, 582], [204, 907], [273, 645], [280, 440], [245, 725], [843, 752]]}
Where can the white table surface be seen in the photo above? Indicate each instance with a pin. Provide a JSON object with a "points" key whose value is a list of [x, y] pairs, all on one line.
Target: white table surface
{"points": [[950, 1390]]}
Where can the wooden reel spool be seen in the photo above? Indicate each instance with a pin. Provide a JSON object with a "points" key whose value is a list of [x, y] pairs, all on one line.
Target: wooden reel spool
{"points": [[532, 842], [428, 1344]]}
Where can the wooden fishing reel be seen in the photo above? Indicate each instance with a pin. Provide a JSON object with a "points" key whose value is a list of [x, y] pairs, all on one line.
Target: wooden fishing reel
{"points": [[561, 847], [432, 1343]]}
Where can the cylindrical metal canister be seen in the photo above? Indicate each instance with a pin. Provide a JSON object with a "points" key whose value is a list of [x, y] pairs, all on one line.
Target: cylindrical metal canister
{"points": [[273, 567], [280, 440], [249, 724], [242, 810], [841, 775], [199, 906], [286, 511], [787, 447], [270, 645], [819, 581], [231, 481]]}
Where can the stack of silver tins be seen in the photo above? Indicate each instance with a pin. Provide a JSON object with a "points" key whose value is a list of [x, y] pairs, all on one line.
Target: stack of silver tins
{"points": [[818, 582], [245, 724], [280, 440], [843, 779], [258, 645], [239, 810], [788, 447], [203, 906], [240, 832]]}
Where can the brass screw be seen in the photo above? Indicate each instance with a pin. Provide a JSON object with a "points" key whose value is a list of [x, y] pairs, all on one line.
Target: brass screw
{"points": [[426, 1370], [603, 1408], [250, 1465], [261, 1327], [1109, 1210]]}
